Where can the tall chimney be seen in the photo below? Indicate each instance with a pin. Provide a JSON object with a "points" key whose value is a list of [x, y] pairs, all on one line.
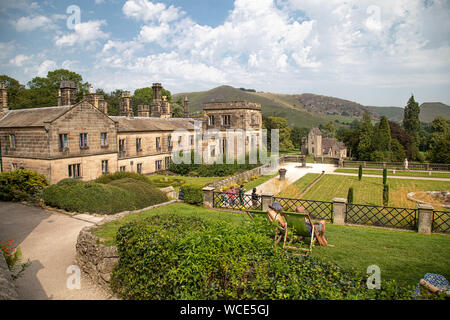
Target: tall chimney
{"points": [[165, 108], [68, 92], [125, 104], [186, 107], [156, 103], [3, 97], [143, 110]]}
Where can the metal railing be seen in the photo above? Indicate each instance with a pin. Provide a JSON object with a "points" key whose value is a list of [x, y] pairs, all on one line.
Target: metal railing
{"points": [[441, 221], [397, 165], [317, 209], [393, 217], [225, 200]]}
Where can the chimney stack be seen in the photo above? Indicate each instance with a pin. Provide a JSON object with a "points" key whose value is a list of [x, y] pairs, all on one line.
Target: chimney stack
{"points": [[125, 104], [165, 108], [97, 100], [143, 110], [186, 107], [67, 93], [156, 103], [3, 97]]}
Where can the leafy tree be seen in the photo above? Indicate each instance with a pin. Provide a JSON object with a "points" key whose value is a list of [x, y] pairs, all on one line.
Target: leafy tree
{"points": [[360, 172], [297, 134], [384, 176], [350, 195], [385, 195], [411, 121], [440, 140], [145, 96], [350, 138], [14, 91], [382, 137], [365, 132], [281, 124], [398, 153], [329, 131]]}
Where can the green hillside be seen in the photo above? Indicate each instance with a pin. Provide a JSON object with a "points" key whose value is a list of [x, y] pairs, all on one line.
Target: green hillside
{"points": [[271, 104], [428, 111]]}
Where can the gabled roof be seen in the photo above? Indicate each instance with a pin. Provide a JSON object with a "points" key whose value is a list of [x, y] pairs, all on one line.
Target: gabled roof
{"points": [[34, 117], [140, 124], [331, 142]]}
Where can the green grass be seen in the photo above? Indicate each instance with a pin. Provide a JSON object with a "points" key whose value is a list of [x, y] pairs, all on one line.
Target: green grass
{"points": [[108, 230], [403, 256], [259, 181], [370, 189], [434, 174], [176, 181], [294, 190]]}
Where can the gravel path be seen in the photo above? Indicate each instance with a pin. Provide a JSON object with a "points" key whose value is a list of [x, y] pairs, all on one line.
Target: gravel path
{"points": [[48, 239]]}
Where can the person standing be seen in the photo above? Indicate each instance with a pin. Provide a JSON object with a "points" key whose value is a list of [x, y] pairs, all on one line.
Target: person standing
{"points": [[241, 194], [255, 198], [232, 196], [405, 163]]}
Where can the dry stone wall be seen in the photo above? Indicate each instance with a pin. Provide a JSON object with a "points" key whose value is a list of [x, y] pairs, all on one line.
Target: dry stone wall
{"points": [[8, 290]]}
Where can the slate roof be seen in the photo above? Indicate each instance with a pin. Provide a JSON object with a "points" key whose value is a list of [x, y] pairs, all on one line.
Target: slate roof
{"points": [[34, 117], [328, 143], [139, 124]]}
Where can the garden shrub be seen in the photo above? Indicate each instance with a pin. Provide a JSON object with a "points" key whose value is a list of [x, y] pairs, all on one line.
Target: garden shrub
{"points": [[185, 258], [107, 178], [193, 194], [21, 185], [162, 183], [145, 194], [89, 197]]}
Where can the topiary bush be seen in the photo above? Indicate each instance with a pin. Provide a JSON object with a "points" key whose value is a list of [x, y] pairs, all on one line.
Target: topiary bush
{"points": [[184, 258], [107, 178], [145, 194], [193, 194], [89, 197], [21, 185]]}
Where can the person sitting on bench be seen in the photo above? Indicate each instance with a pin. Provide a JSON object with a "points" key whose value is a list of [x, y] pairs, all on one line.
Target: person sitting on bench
{"points": [[274, 213]]}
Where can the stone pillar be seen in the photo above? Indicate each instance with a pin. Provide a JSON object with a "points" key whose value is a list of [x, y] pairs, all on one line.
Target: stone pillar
{"points": [[282, 173], [364, 164], [425, 222], [266, 199], [304, 161], [339, 208], [208, 197]]}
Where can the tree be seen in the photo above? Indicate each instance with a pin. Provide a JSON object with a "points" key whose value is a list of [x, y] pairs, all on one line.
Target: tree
{"points": [[145, 96], [365, 132], [384, 176], [329, 131], [382, 137], [351, 140], [405, 147], [14, 91], [411, 121], [385, 195], [440, 140], [271, 123], [350, 195], [297, 135], [398, 153], [360, 172]]}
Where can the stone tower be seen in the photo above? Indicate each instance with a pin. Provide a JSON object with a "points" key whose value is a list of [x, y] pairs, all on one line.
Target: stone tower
{"points": [[125, 104], [156, 103], [315, 142], [3, 97], [186, 107], [66, 94], [143, 110]]}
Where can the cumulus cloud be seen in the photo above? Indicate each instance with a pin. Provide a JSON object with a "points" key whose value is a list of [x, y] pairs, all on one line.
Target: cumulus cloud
{"points": [[32, 23], [146, 11], [45, 67], [85, 32], [20, 60]]}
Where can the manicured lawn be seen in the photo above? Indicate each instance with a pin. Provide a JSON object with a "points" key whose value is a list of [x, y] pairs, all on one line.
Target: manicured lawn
{"points": [[434, 174], [294, 190], [403, 256], [196, 181], [259, 181], [370, 189]]}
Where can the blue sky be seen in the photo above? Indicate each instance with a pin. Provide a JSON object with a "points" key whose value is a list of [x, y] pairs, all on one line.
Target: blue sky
{"points": [[371, 52]]}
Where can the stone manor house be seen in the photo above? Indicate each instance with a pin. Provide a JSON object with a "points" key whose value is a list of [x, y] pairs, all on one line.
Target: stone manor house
{"points": [[79, 140], [318, 146]]}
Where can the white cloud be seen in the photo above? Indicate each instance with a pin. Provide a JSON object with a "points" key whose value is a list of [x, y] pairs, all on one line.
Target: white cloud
{"points": [[146, 11], [6, 50], [20, 60], [45, 67], [32, 23], [84, 32]]}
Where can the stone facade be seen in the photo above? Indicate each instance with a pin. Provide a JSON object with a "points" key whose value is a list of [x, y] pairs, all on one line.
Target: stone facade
{"points": [[82, 141], [318, 146]]}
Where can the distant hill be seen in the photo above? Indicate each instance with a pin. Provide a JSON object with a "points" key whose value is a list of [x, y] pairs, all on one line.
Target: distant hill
{"points": [[307, 110], [289, 107], [428, 111]]}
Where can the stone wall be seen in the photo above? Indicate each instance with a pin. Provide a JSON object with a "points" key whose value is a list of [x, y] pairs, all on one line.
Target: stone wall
{"points": [[8, 290], [96, 259], [237, 178]]}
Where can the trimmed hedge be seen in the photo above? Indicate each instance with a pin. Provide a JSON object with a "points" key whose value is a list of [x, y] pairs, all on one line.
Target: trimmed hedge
{"points": [[145, 194], [116, 196], [193, 194], [89, 197], [21, 185], [107, 178], [178, 258]]}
